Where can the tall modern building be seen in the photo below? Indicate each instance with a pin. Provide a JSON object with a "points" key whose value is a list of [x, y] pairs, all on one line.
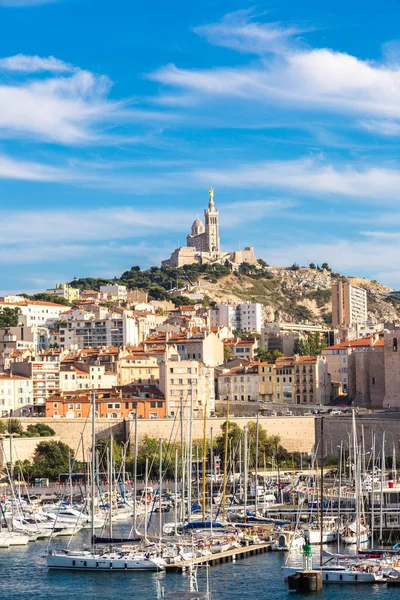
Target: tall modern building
{"points": [[349, 305], [245, 316]]}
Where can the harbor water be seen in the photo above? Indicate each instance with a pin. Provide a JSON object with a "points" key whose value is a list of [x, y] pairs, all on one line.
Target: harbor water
{"points": [[24, 575]]}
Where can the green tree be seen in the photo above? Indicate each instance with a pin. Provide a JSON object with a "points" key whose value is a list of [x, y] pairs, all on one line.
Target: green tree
{"points": [[3, 427], [228, 354], [55, 298], [51, 458], [312, 265], [326, 266], [39, 430], [14, 426], [265, 355], [267, 444], [9, 317], [234, 437], [24, 469], [262, 263]]}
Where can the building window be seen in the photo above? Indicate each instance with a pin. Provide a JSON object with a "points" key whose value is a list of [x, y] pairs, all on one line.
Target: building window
{"points": [[373, 381], [394, 344], [70, 407], [113, 416], [55, 404], [134, 404], [109, 406], [159, 404], [152, 404]]}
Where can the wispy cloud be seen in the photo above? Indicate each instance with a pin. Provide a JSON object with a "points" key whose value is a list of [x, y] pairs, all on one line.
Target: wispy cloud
{"points": [[238, 31], [119, 222], [71, 106], [311, 176], [35, 64], [292, 76]]}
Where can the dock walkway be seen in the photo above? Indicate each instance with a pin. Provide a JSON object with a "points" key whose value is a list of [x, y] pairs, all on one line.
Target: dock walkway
{"points": [[221, 557]]}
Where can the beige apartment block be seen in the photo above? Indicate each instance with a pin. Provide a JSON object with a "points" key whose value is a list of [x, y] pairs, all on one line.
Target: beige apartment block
{"points": [[138, 368], [242, 383], [207, 348], [349, 305], [186, 384]]}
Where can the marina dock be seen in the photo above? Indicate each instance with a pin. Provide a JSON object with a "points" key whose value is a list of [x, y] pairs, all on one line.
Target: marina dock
{"points": [[221, 557]]}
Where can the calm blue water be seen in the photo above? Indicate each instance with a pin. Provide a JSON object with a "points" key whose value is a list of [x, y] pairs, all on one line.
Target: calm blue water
{"points": [[23, 574]]}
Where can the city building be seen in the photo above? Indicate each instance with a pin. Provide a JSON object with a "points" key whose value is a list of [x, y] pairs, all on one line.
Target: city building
{"points": [[34, 312], [349, 305], [203, 243], [24, 336], [115, 291], [64, 291], [80, 376], [337, 358], [138, 367], [242, 383], [242, 317], [241, 348], [83, 330], [122, 403], [44, 372], [281, 336], [206, 348], [187, 384], [16, 395]]}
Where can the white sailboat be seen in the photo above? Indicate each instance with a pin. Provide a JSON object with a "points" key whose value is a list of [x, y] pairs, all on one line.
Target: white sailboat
{"points": [[93, 560]]}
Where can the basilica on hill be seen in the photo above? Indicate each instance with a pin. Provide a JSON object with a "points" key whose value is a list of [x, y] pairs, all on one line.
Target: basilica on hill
{"points": [[203, 244]]}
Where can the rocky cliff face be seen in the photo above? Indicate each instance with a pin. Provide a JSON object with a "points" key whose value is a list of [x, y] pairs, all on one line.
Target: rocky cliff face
{"points": [[302, 295]]}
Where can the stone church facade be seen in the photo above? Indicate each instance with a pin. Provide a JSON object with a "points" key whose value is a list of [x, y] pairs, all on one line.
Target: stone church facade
{"points": [[203, 243]]}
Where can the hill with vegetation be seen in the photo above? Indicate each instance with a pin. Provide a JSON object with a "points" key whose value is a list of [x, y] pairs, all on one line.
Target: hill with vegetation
{"points": [[293, 294]]}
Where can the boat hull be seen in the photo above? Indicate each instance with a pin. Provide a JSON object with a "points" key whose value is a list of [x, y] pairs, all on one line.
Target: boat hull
{"points": [[98, 563]]}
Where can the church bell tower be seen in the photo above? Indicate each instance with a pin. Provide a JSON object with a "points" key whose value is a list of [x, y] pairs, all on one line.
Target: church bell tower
{"points": [[212, 227]]}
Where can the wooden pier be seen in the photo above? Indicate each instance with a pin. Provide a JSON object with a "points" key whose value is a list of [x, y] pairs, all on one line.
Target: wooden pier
{"points": [[221, 557]]}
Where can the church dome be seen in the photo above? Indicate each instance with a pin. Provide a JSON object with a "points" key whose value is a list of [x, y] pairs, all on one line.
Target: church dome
{"points": [[198, 227]]}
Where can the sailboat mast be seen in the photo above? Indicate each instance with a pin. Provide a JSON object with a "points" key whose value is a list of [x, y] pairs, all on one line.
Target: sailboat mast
{"points": [[322, 491], [383, 465], [256, 464], [190, 459], [159, 491], [176, 493], [245, 482], [212, 475], [182, 464], [339, 495], [204, 462], [110, 485], [373, 491], [93, 484], [225, 457], [135, 475]]}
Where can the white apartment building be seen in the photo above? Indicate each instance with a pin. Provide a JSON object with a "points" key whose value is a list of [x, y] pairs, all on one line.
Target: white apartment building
{"points": [[245, 316], [12, 299], [16, 395], [189, 383], [36, 313], [349, 305], [84, 377], [84, 330], [115, 291], [45, 377]]}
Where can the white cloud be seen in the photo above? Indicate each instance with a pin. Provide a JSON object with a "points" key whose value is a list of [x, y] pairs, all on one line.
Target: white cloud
{"points": [[381, 127], [34, 64], [292, 76], [310, 176], [71, 106], [118, 222], [237, 31]]}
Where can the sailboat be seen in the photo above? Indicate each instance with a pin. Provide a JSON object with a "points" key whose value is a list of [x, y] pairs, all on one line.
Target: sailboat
{"points": [[118, 559]]}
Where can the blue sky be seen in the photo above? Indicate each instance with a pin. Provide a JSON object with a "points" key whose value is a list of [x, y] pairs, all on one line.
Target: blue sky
{"points": [[116, 118]]}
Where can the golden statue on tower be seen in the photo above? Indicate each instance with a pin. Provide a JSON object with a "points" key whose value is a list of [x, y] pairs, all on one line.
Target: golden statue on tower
{"points": [[211, 192]]}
